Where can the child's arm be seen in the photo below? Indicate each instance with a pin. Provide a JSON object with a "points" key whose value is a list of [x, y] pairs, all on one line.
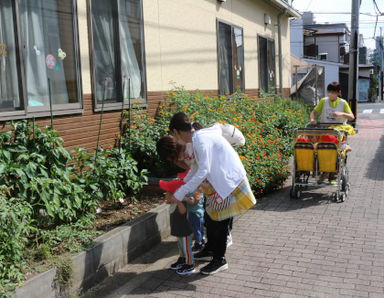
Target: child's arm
{"points": [[170, 199], [197, 195], [313, 117], [180, 206], [348, 116]]}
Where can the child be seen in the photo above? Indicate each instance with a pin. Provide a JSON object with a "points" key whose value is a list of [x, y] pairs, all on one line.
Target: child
{"points": [[332, 109], [181, 228], [169, 149]]}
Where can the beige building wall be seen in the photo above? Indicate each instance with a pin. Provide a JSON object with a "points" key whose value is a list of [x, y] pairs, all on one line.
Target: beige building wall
{"points": [[181, 41]]}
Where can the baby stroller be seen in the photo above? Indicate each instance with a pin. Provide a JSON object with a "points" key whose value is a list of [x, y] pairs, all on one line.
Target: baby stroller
{"points": [[313, 160]]}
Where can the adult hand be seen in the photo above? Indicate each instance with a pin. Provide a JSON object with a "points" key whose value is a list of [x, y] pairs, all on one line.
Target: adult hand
{"points": [[313, 122]]}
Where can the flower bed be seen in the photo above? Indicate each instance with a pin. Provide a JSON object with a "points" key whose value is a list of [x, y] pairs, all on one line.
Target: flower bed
{"points": [[267, 125], [48, 196]]}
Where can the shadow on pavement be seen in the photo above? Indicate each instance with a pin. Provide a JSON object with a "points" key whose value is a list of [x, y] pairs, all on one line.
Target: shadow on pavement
{"points": [[166, 280], [280, 200], [376, 165]]}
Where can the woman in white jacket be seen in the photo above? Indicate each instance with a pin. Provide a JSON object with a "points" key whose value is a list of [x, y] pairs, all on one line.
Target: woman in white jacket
{"points": [[221, 173]]}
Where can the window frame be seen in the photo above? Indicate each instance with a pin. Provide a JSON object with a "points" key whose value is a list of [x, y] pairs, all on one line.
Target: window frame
{"points": [[268, 39], [57, 109], [116, 106], [218, 21]]}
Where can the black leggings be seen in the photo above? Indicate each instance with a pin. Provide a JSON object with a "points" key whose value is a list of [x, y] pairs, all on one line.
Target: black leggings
{"points": [[217, 232]]}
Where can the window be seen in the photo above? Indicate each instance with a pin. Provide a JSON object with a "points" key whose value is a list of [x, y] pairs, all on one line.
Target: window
{"points": [[38, 58], [230, 58], [118, 52], [267, 71]]}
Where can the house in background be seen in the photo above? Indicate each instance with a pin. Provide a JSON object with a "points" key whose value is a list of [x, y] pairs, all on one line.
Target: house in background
{"points": [[81, 53], [327, 45]]}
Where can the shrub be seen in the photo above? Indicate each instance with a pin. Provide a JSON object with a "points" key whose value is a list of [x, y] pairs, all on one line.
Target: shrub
{"points": [[110, 174], [267, 126], [15, 222], [140, 138], [34, 166], [57, 195]]}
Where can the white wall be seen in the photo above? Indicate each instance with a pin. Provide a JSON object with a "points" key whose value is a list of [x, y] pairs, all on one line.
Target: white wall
{"points": [[331, 70], [297, 37], [329, 44]]}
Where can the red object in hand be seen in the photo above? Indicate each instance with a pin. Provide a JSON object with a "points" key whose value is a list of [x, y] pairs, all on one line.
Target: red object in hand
{"points": [[171, 186], [182, 175]]}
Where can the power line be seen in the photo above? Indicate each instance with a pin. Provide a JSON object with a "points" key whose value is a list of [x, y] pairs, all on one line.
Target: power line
{"points": [[377, 7]]}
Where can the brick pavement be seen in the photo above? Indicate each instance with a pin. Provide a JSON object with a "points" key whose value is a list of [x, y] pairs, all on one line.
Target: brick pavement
{"points": [[298, 248]]}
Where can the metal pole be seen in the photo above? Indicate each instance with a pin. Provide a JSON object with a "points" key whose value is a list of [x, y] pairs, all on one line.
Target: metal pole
{"points": [[280, 52], [121, 116], [129, 114], [353, 59], [101, 119], [316, 78], [296, 66], [381, 80], [50, 101]]}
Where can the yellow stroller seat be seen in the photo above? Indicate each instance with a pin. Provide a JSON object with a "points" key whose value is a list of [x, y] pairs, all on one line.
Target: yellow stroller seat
{"points": [[305, 156], [327, 157]]}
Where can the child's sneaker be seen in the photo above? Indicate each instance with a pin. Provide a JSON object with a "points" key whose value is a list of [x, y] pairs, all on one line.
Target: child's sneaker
{"points": [[179, 263], [186, 269], [197, 246]]}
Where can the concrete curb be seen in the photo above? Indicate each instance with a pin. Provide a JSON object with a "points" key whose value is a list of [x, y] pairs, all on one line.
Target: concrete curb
{"points": [[111, 251]]}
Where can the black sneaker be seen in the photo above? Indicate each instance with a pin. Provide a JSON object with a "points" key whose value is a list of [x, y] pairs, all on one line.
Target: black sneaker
{"points": [[216, 265], [204, 255], [197, 247], [179, 263], [186, 269]]}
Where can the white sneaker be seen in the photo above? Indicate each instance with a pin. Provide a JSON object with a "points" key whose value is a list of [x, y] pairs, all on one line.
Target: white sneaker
{"points": [[229, 240]]}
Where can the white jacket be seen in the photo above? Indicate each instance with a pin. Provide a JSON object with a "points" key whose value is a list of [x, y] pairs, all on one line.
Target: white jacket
{"points": [[216, 161]]}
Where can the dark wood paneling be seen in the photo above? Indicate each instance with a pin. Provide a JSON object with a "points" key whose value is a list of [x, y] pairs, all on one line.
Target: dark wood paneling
{"points": [[81, 130]]}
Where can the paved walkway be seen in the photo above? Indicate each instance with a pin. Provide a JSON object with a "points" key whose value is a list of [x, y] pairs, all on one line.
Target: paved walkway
{"points": [[292, 248]]}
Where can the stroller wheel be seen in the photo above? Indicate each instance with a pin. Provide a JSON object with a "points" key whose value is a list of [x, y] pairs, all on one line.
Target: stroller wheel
{"points": [[343, 197], [292, 192], [334, 197]]}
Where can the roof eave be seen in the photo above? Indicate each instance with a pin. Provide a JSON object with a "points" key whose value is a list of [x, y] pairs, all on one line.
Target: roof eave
{"points": [[291, 12]]}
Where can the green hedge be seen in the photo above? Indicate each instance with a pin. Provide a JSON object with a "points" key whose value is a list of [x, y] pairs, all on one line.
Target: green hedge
{"points": [[266, 123]]}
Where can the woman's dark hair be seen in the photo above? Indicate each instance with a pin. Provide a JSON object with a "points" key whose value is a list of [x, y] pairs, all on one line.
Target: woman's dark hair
{"points": [[334, 86], [180, 121], [167, 148]]}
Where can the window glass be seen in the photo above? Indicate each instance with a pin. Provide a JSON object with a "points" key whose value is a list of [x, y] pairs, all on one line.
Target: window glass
{"points": [[230, 58], [118, 50], [9, 77], [47, 35], [267, 73]]}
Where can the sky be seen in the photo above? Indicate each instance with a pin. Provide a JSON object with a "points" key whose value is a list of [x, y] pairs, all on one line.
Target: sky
{"points": [[367, 21]]}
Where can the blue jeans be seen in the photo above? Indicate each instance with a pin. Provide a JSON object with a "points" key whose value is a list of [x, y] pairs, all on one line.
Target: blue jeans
{"points": [[197, 224]]}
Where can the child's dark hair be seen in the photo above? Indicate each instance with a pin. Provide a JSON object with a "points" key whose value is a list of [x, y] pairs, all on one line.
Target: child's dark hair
{"points": [[167, 148], [197, 126], [180, 121], [334, 86]]}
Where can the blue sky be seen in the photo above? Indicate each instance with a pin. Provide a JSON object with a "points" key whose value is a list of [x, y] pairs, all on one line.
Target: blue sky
{"points": [[367, 22]]}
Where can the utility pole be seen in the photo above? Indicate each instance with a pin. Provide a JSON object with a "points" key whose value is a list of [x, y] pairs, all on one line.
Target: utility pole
{"points": [[354, 59], [381, 71]]}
